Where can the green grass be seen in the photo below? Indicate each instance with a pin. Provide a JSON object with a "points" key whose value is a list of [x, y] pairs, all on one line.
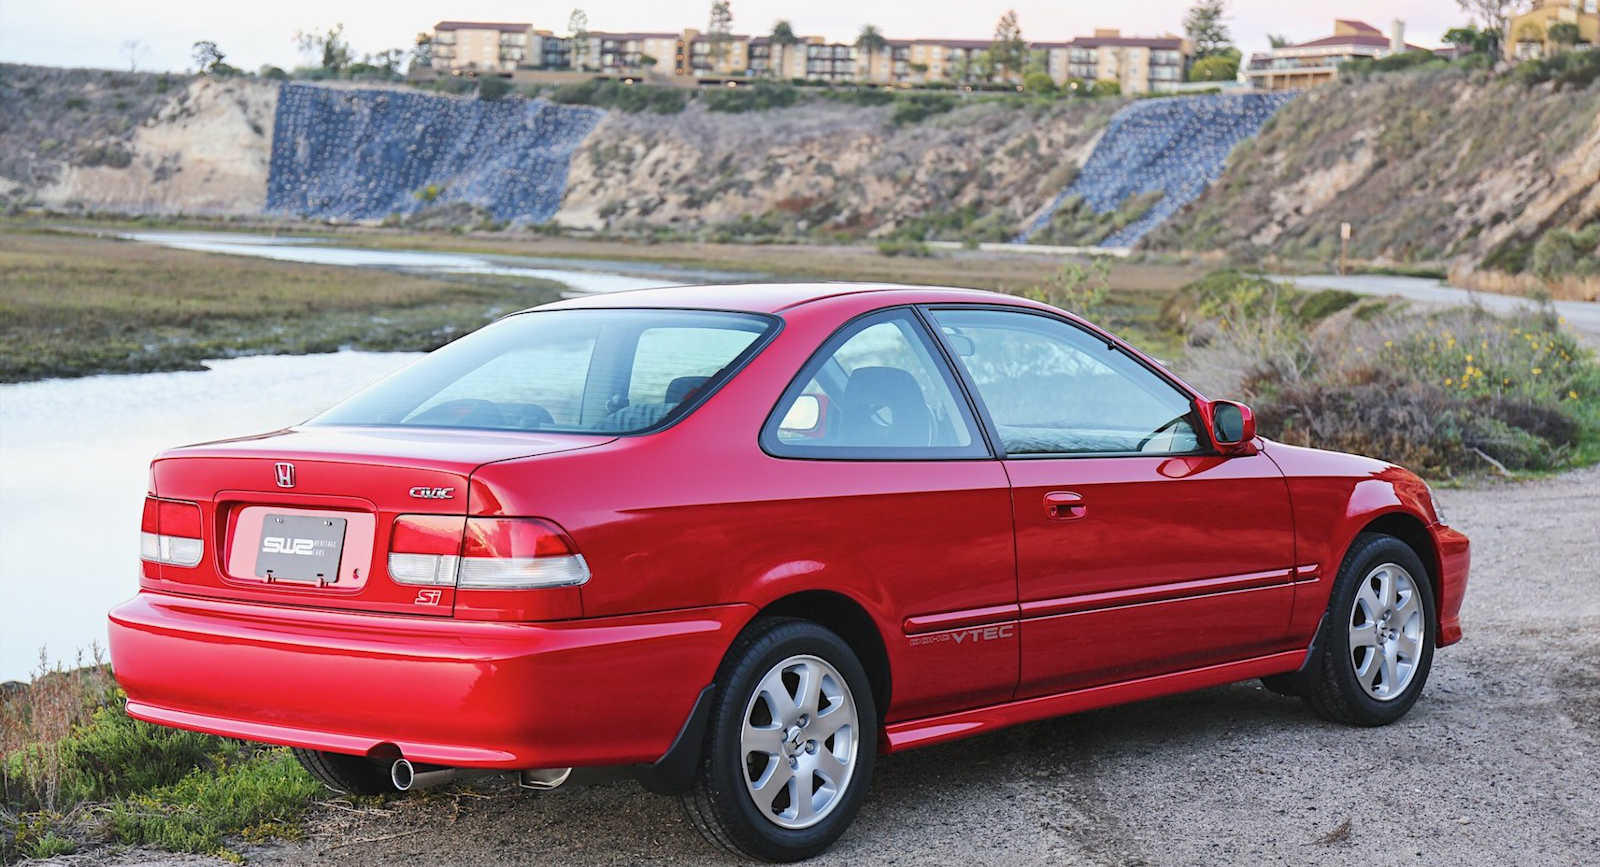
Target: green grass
{"points": [[258, 797], [73, 305], [75, 769]]}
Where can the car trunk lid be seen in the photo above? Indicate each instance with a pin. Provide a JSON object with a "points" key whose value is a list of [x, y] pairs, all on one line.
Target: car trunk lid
{"points": [[304, 516]]}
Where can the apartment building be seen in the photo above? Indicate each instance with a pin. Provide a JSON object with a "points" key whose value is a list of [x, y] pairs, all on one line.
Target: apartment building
{"points": [[482, 46], [1530, 32], [1134, 63], [1309, 64]]}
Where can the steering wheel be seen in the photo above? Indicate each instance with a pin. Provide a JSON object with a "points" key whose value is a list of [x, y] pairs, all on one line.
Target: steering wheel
{"points": [[463, 412], [1158, 431]]}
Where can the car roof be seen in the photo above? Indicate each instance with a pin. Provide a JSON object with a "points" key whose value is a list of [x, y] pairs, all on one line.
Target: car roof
{"points": [[770, 297]]}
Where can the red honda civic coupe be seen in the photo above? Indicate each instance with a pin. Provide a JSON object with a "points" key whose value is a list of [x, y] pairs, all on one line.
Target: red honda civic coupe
{"points": [[747, 538]]}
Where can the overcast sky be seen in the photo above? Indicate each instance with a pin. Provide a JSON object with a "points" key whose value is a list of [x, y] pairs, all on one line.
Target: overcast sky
{"points": [[93, 32]]}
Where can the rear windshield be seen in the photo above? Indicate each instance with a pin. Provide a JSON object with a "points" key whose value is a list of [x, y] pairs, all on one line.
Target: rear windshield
{"points": [[572, 371]]}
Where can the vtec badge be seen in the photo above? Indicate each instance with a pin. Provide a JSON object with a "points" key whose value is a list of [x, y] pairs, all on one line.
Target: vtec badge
{"points": [[426, 493]]}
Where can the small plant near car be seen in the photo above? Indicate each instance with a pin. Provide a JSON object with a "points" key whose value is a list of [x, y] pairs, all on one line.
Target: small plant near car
{"points": [[74, 767], [1447, 392], [1076, 287]]}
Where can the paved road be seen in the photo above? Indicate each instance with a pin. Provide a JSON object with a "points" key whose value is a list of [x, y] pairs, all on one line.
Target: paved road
{"points": [[1496, 765], [1583, 316]]}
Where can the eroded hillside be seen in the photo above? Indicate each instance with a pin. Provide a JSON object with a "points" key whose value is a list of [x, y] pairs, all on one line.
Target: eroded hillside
{"points": [[135, 143], [980, 171], [1433, 166]]}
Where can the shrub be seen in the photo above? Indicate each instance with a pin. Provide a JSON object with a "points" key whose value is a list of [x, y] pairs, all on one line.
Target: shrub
{"points": [[916, 107], [1040, 83], [631, 98], [915, 249], [259, 796], [863, 96], [492, 87], [1105, 88], [73, 764], [756, 97], [1082, 289], [1438, 392], [1560, 252], [1576, 68]]}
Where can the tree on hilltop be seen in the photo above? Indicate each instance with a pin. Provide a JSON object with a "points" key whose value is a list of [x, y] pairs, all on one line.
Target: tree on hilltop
{"points": [[1008, 53], [1207, 31], [719, 30]]}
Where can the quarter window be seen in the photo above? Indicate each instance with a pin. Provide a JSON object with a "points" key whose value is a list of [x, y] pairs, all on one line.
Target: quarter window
{"points": [[875, 390], [1052, 388]]}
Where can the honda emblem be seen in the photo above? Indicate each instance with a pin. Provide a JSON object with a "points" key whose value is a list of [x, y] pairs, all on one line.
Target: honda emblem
{"points": [[285, 473]]}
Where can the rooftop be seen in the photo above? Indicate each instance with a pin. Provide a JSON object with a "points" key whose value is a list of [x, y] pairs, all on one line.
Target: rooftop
{"points": [[502, 26], [766, 297]]}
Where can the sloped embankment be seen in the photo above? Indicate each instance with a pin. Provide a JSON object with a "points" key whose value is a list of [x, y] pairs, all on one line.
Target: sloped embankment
{"points": [[1429, 166], [370, 154], [134, 143], [977, 172], [1164, 151]]}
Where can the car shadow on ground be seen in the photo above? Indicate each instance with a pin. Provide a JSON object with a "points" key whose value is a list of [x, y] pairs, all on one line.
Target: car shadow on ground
{"points": [[931, 799]]}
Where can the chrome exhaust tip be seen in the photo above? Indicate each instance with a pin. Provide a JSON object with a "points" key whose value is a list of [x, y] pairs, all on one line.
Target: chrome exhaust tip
{"points": [[407, 777], [402, 775], [543, 779]]}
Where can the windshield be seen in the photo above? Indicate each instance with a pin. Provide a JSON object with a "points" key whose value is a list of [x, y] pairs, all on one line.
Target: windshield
{"points": [[572, 371]]}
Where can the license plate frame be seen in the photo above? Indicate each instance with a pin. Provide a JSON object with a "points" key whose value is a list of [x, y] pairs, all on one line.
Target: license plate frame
{"points": [[300, 549]]}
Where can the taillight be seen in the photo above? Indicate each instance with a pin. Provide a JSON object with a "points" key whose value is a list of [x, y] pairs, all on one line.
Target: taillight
{"points": [[518, 554], [425, 549], [483, 553], [170, 533]]}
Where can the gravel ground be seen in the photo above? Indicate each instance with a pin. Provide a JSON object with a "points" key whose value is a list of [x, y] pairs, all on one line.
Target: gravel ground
{"points": [[1496, 765]]}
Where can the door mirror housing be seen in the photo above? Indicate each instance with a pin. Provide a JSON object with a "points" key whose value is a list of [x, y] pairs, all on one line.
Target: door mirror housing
{"points": [[1232, 426]]}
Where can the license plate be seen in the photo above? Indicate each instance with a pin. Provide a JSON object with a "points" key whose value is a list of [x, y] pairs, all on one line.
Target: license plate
{"points": [[300, 548]]}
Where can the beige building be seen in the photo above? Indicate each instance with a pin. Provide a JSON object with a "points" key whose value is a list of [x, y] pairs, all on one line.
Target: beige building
{"points": [[475, 47], [1309, 64], [482, 46], [1528, 34], [1136, 64]]}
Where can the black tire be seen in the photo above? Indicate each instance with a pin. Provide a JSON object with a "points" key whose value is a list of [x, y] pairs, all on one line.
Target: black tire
{"points": [[1331, 687], [351, 775], [718, 803]]}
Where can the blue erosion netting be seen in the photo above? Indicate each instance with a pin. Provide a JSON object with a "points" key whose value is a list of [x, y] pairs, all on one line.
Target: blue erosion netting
{"points": [[1176, 145], [365, 154]]}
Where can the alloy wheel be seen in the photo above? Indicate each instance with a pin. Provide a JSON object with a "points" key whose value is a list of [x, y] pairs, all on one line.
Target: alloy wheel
{"points": [[1386, 631], [798, 741]]}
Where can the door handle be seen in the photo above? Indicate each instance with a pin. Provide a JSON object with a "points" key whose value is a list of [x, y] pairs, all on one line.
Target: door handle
{"points": [[1064, 506]]}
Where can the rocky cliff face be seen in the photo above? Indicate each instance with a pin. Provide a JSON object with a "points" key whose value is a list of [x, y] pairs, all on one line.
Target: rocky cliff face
{"points": [[134, 142], [368, 154], [1440, 166], [825, 166]]}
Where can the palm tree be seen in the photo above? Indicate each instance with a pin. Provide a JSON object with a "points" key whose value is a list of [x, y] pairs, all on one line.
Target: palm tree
{"points": [[782, 37], [871, 42]]}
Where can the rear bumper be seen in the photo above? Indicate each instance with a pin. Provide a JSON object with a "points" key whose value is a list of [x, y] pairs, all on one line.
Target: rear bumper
{"points": [[1455, 558], [578, 693]]}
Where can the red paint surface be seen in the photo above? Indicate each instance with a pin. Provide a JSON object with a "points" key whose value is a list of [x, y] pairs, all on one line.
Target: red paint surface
{"points": [[996, 598]]}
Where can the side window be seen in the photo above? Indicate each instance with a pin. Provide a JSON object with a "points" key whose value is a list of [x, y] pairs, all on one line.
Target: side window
{"points": [[671, 364], [1053, 388], [876, 390]]}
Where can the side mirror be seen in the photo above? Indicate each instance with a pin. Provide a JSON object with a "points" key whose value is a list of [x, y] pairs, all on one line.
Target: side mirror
{"points": [[1233, 427], [805, 418]]}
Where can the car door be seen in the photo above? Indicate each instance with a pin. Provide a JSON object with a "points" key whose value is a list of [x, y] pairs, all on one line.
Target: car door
{"points": [[881, 473], [1139, 549]]}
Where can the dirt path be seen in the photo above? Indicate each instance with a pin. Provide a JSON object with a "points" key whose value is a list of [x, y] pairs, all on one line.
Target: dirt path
{"points": [[1497, 764], [1583, 316]]}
